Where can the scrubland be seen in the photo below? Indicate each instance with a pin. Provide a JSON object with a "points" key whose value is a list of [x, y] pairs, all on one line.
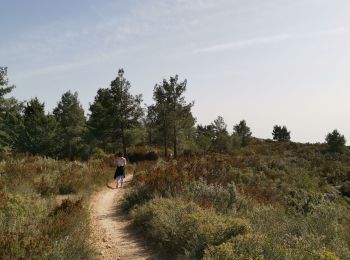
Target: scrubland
{"points": [[266, 201], [43, 213]]}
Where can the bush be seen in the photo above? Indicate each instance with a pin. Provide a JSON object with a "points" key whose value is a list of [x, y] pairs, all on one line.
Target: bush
{"points": [[44, 188], [136, 156], [345, 189], [259, 247], [66, 207], [184, 228], [98, 153], [31, 226], [239, 248], [302, 202], [224, 251], [66, 188], [214, 195], [188, 153], [138, 196]]}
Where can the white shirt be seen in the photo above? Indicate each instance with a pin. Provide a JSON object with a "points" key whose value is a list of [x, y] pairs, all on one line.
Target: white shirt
{"points": [[120, 161]]}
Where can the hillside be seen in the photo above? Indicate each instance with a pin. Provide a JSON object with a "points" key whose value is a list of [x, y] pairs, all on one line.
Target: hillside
{"points": [[43, 206], [265, 201]]}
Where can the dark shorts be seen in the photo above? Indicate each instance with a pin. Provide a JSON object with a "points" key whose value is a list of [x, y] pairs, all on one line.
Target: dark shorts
{"points": [[119, 172]]}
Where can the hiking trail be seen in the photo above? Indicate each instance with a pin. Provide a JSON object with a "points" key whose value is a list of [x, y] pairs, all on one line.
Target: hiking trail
{"points": [[111, 232]]}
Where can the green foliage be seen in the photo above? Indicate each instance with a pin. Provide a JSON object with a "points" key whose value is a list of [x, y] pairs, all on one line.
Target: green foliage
{"points": [[34, 222], [282, 189], [345, 189], [221, 138], [66, 188], [215, 138], [171, 113], [204, 136], [280, 134], [242, 131], [10, 113], [71, 125], [39, 131], [214, 195], [137, 156], [184, 227], [137, 197], [113, 112], [4, 87], [336, 142]]}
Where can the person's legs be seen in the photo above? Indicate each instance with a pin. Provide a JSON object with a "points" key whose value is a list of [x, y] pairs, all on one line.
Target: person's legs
{"points": [[119, 179]]}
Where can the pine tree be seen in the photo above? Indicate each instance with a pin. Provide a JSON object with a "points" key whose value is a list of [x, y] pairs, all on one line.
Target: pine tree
{"points": [[280, 134], [172, 112], [115, 111], [242, 131], [72, 124], [10, 113], [204, 136], [221, 141], [336, 142], [38, 134]]}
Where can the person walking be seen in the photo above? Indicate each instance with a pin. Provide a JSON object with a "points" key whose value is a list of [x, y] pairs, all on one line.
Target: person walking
{"points": [[119, 174]]}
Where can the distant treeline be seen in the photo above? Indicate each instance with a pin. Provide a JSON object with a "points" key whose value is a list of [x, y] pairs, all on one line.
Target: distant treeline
{"points": [[117, 120]]}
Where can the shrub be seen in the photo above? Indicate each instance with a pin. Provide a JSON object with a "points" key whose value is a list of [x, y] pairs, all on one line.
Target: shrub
{"points": [[66, 188], [21, 245], [44, 188], [188, 153], [324, 254], [214, 195], [224, 251], [136, 197], [66, 207], [302, 202], [345, 189], [185, 228], [239, 248], [138, 156], [98, 153]]}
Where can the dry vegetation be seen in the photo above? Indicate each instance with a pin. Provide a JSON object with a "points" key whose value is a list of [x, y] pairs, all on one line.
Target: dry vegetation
{"points": [[266, 201], [42, 207]]}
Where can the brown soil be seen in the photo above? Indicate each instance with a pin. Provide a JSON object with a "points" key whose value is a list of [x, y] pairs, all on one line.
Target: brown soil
{"points": [[112, 233]]}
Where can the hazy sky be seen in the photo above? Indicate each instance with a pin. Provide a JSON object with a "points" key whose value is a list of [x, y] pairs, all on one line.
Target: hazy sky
{"points": [[267, 61]]}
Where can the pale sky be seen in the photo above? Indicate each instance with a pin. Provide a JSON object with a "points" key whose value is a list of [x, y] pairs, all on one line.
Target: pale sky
{"points": [[266, 61]]}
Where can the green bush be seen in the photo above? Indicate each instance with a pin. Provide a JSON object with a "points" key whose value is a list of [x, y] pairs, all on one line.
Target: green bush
{"points": [[224, 251], [184, 228], [136, 197], [138, 156], [345, 189], [214, 195], [66, 188], [240, 248]]}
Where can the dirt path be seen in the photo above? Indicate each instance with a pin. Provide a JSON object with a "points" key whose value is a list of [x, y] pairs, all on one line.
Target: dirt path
{"points": [[112, 234]]}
